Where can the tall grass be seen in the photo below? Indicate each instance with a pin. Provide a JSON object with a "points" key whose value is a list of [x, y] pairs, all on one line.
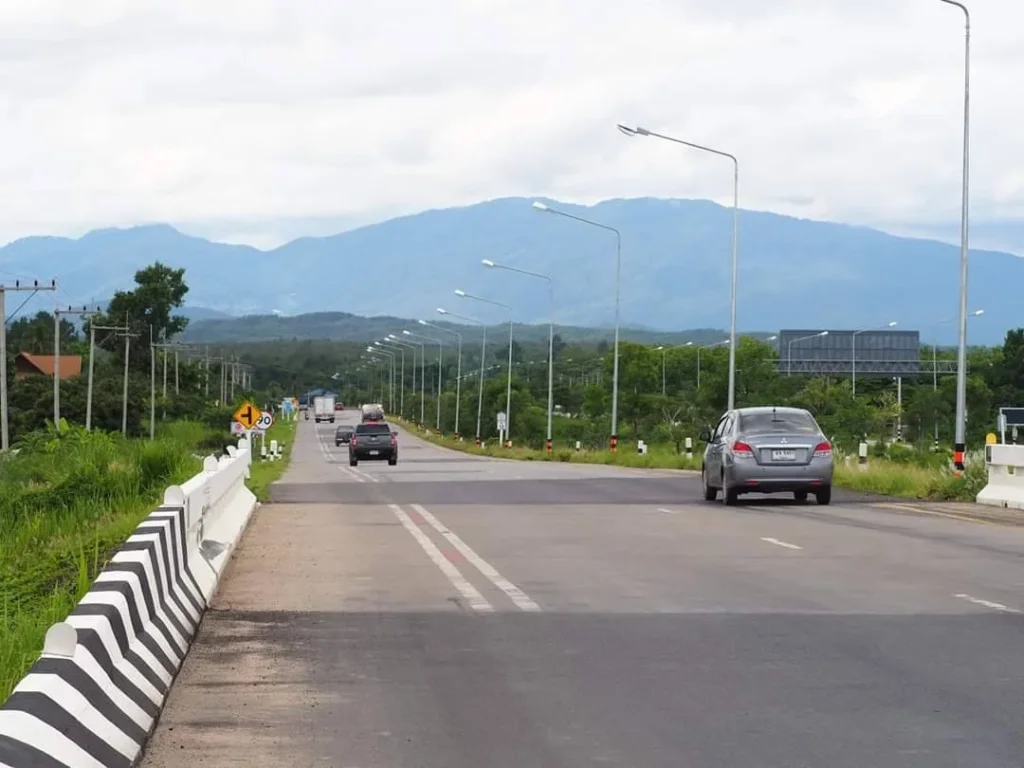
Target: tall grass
{"points": [[67, 501]]}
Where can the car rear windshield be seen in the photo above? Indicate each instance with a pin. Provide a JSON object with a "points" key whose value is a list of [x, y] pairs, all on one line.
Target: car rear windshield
{"points": [[787, 422], [373, 429]]}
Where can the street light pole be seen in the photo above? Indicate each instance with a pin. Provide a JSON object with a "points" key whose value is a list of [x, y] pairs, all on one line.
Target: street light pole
{"points": [[960, 439], [935, 364], [663, 350], [789, 354], [458, 370], [614, 439], [483, 354], [508, 383], [638, 131], [401, 376], [440, 362], [551, 336], [853, 352]]}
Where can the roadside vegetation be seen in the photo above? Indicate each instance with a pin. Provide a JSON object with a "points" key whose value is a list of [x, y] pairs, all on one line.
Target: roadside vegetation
{"points": [[70, 497], [264, 473], [891, 471]]}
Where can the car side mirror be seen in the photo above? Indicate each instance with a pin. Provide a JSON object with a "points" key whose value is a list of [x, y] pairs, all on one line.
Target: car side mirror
{"points": [[394, 434], [704, 436]]}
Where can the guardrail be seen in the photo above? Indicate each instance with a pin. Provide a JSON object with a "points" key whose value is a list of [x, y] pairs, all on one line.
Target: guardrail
{"points": [[1005, 477], [93, 696]]}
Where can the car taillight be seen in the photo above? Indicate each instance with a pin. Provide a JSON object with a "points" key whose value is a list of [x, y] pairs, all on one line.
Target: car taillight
{"points": [[394, 441], [740, 448], [823, 450], [352, 440]]}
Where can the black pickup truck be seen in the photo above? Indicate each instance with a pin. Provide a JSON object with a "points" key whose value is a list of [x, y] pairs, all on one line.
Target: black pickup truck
{"points": [[373, 441]]}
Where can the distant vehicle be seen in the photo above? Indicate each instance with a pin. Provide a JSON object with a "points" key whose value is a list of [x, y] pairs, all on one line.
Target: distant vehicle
{"points": [[339, 406], [767, 450], [373, 441], [373, 412], [323, 408], [343, 434]]}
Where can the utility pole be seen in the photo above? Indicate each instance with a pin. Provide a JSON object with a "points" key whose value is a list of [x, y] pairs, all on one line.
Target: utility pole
{"points": [[152, 386], [5, 289], [165, 346], [57, 314], [118, 330]]}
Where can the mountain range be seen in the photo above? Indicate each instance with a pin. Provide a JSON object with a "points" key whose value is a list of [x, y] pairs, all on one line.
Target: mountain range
{"points": [[675, 271]]}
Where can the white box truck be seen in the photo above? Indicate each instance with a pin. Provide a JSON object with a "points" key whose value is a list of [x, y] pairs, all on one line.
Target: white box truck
{"points": [[323, 408]]}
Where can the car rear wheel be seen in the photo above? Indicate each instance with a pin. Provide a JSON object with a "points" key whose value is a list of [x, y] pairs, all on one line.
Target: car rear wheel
{"points": [[730, 496], [824, 496], [353, 462], [800, 495], [392, 462], [710, 493]]}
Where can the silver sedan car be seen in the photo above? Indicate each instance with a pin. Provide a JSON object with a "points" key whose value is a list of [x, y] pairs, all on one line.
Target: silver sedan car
{"points": [[767, 450]]}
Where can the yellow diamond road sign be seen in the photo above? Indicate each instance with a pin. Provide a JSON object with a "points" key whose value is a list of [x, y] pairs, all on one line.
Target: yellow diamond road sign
{"points": [[248, 415]]}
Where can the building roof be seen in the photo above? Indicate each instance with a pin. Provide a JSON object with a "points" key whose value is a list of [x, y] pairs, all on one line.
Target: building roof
{"points": [[70, 365]]}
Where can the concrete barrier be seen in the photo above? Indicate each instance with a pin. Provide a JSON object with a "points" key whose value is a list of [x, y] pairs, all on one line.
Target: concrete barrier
{"points": [[92, 698], [1005, 477]]}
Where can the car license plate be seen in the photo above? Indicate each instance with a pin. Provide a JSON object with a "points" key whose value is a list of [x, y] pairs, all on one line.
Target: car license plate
{"points": [[783, 455], [374, 453]]}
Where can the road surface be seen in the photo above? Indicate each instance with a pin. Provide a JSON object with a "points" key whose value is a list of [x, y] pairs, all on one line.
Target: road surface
{"points": [[464, 612]]}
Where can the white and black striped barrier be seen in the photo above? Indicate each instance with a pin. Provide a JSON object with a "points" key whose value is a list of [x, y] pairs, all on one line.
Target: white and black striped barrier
{"points": [[94, 696]]}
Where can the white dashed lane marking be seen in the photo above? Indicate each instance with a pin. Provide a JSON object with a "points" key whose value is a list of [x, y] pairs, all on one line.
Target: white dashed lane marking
{"points": [[987, 603], [778, 543]]}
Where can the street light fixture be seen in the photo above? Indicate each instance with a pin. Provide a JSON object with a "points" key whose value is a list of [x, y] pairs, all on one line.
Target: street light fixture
{"points": [[551, 331], [960, 440], [789, 353], [508, 384], [539, 206], [639, 131], [853, 351], [483, 353]]}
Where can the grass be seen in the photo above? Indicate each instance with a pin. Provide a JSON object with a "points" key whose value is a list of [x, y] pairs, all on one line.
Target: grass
{"points": [[263, 473], [900, 472], [66, 504]]}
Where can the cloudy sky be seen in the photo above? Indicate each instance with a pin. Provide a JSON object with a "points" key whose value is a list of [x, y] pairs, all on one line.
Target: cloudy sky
{"points": [[259, 120]]}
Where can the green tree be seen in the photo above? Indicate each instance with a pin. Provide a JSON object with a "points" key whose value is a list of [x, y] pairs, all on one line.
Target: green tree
{"points": [[150, 305]]}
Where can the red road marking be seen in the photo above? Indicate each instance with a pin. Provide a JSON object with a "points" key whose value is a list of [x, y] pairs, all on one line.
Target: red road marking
{"points": [[453, 555], [416, 517]]}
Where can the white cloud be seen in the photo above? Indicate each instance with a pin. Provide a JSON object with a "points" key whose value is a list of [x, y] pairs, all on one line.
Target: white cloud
{"points": [[122, 111]]}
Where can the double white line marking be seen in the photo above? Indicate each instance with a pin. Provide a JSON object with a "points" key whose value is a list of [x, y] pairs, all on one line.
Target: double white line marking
{"points": [[472, 595]]}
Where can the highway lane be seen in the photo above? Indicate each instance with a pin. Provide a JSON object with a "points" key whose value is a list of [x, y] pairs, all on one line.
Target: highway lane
{"points": [[463, 611]]}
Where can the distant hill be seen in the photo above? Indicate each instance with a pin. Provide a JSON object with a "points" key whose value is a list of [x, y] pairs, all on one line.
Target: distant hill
{"points": [[675, 267], [341, 326]]}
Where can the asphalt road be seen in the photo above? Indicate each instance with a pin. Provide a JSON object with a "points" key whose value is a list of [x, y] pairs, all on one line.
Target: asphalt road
{"points": [[463, 612]]}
